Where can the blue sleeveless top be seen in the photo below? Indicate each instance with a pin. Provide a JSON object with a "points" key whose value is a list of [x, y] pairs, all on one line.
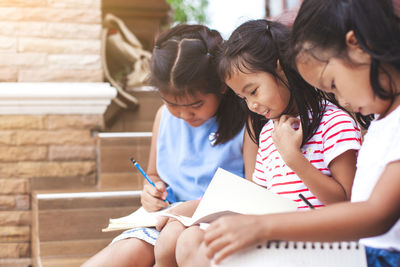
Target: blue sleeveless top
{"points": [[186, 158]]}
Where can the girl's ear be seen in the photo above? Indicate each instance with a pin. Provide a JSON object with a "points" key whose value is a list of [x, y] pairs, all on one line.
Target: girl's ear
{"points": [[355, 52], [278, 66], [280, 71]]}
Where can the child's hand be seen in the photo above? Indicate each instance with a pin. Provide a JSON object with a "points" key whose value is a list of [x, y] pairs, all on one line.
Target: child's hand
{"points": [[229, 234], [161, 222], [287, 137], [152, 198], [186, 208]]}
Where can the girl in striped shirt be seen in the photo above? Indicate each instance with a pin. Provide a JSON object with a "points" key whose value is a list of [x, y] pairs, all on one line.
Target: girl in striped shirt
{"points": [[307, 144]]}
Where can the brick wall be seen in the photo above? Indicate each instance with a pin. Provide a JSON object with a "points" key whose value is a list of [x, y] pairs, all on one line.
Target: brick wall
{"points": [[40, 151], [47, 139], [47, 142], [50, 40]]}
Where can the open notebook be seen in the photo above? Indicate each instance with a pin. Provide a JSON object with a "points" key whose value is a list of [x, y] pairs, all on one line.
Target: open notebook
{"points": [[226, 194], [230, 194], [296, 254], [139, 218]]}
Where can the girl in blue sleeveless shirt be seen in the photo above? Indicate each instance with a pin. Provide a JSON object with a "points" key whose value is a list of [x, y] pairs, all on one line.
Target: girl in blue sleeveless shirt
{"points": [[200, 128]]}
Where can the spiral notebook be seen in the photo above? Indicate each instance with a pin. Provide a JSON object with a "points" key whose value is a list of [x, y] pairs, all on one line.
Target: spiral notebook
{"points": [[296, 254]]}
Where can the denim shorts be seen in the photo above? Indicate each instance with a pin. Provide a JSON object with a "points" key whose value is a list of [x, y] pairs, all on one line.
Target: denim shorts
{"points": [[148, 234], [377, 257]]}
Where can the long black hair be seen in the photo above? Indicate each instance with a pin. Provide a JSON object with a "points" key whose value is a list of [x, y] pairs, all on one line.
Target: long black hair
{"points": [[184, 63], [323, 27], [257, 46]]}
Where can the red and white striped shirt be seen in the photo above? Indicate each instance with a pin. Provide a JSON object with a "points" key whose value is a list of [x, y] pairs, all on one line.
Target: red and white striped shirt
{"points": [[337, 133]]}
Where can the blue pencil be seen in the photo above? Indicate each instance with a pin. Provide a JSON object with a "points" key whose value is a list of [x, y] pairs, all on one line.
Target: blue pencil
{"points": [[143, 172]]}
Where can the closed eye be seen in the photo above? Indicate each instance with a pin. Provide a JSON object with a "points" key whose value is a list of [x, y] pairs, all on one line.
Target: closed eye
{"points": [[199, 105], [333, 85], [253, 92]]}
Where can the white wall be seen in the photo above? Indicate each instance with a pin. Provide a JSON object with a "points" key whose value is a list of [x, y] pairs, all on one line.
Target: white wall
{"points": [[276, 7], [226, 15]]}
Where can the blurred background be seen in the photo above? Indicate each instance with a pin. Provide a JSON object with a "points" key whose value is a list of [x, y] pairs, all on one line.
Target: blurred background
{"points": [[225, 15]]}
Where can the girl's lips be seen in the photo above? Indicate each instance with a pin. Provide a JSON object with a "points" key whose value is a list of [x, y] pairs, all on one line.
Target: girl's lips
{"points": [[266, 113], [193, 123]]}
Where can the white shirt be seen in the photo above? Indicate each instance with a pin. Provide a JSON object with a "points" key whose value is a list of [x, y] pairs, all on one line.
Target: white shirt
{"points": [[380, 147]]}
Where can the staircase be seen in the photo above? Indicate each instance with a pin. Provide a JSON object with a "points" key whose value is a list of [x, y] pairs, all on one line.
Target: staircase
{"points": [[67, 223], [67, 226]]}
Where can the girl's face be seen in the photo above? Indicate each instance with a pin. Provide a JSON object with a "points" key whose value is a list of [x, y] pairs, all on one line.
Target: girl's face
{"points": [[351, 84], [348, 78], [194, 110], [264, 94]]}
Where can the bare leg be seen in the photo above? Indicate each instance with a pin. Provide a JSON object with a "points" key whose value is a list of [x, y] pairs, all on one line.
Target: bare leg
{"points": [[201, 260], [124, 253], [188, 249], [164, 249]]}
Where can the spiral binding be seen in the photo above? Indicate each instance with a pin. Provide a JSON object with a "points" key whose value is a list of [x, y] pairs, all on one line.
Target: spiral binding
{"points": [[309, 245]]}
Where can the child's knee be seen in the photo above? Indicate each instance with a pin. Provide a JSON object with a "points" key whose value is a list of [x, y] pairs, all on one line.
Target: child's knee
{"points": [[191, 237], [188, 243], [166, 241], [163, 248], [135, 252]]}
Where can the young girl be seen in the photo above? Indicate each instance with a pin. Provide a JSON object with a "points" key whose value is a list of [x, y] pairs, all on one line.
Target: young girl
{"points": [[352, 49], [199, 129], [317, 158]]}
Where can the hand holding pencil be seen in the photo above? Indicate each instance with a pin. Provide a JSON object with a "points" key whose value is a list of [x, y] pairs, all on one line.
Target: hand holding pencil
{"points": [[154, 195]]}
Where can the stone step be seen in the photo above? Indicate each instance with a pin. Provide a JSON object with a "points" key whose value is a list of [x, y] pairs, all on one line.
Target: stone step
{"points": [[114, 168], [63, 261], [66, 226], [21, 262]]}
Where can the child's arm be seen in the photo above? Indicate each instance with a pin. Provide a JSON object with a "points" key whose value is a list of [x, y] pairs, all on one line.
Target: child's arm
{"points": [[327, 189], [338, 222], [249, 155], [152, 197]]}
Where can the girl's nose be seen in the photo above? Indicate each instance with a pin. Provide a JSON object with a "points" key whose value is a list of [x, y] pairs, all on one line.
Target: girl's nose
{"points": [[185, 115]]}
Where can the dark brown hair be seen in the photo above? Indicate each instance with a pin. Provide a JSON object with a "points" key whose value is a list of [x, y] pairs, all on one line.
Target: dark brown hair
{"points": [[324, 25], [257, 46], [184, 63]]}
